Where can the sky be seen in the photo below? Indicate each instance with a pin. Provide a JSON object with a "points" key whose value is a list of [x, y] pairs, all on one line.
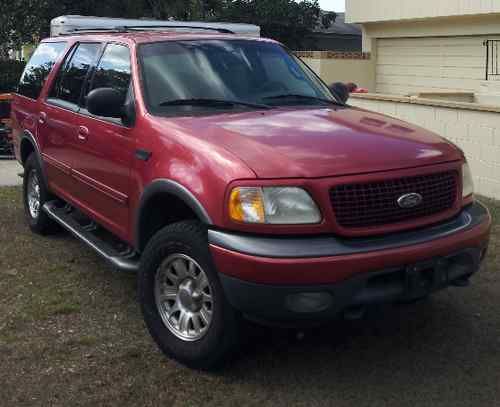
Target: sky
{"points": [[332, 5]]}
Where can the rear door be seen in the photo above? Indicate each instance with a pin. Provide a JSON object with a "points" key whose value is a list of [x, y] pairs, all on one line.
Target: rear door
{"points": [[25, 103], [58, 122], [105, 147]]}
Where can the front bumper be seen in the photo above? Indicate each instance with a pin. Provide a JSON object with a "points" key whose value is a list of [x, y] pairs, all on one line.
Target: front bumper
{"points": [[261, 274]]}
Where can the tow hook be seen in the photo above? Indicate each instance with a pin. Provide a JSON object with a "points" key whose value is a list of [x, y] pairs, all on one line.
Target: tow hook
{"points": [[462, 282], [354, 313]]}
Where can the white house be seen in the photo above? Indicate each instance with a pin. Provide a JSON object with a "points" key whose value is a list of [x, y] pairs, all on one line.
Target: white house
{"points": [[428, 45]]}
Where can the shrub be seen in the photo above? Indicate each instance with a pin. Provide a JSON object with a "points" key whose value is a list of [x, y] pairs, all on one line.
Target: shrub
{"points": [[10, 72]]}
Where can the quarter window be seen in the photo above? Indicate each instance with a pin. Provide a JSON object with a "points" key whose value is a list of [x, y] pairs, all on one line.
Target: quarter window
{"points": [[72, 76], [39, 67]]}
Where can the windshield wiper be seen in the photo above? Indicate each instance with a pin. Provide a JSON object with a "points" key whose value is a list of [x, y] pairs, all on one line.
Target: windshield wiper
{"points": [[306, 97], [206, 102]]}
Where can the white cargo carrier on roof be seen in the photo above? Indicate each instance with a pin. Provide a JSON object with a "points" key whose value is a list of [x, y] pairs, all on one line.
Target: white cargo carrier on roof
{"points": [[65, 25]]}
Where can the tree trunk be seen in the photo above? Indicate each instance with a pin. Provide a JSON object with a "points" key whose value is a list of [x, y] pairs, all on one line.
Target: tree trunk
{"points": [[4, 52]]}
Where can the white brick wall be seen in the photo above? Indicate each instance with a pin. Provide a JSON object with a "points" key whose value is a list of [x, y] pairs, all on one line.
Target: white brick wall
{"points": [[476, 132]]}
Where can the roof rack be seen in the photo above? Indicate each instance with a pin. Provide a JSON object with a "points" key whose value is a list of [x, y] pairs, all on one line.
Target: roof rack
{"points": [[71, 25], [129, 28]]}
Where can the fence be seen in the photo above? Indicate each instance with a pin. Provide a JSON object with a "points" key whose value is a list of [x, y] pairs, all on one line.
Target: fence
{"points": [[492, 58], [332, 66], [474, 128]]}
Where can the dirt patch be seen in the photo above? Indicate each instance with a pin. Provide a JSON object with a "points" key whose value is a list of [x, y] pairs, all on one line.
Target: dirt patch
{"points": [[71, 333], [8, 173]]}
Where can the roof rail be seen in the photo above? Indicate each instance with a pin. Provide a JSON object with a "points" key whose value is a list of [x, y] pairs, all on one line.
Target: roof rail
{"points": [[82, 31], [129, 28], [190, 27]]}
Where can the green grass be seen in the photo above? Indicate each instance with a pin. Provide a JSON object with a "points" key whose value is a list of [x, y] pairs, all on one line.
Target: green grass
{"points": [[64, 309], [83, 341], [71, 333], [9, 196]]}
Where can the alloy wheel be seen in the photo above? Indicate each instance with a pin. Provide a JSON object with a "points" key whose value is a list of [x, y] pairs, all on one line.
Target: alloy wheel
{"points": [[33, 194], [183, 297]]}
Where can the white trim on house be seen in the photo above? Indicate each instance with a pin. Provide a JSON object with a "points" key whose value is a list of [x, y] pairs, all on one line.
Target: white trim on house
{"points": [[369, 11]]}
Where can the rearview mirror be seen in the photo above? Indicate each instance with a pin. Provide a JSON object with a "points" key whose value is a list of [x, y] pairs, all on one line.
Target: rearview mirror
{"points": [[106, 102]]}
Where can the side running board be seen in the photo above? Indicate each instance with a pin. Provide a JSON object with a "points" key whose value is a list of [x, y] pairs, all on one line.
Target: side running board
{"points": [[127, 263]]}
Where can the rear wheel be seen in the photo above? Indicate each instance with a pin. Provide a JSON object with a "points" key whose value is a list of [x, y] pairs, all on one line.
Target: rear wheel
{"points": [[182, 300], [35, 195]]}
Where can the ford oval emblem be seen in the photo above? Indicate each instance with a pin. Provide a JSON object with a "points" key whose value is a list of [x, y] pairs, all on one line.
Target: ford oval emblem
{"points": [[409, 201]]}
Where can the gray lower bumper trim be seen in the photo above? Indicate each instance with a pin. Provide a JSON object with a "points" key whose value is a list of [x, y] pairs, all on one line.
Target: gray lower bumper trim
{"points": [[327, 246]]}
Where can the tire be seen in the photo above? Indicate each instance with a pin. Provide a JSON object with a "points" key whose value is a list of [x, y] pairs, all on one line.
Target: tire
{"points": [[168, 255], [38, 221]]}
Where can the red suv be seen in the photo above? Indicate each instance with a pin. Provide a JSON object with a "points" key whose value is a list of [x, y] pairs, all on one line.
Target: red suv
{"points": [[225, 172]]}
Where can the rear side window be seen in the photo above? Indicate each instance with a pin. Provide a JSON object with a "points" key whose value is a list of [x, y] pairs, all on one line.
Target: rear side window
{"points": [[72, 75], [113, 70], [39, 67]]}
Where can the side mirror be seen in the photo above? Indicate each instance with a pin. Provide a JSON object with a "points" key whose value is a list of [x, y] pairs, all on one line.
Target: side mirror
{"points": [[106, 102], [340, 90]]}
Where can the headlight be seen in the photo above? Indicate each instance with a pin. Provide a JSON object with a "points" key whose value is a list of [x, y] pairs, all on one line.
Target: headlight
{"points": [[273, 205], [467, 182]]}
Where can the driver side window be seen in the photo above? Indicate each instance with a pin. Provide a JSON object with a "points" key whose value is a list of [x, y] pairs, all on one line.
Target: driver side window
{"points": [[72, 76], [113, 70]]}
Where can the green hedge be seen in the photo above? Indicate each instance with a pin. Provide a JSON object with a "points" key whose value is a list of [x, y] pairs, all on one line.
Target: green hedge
{"points": [[10, 72]]}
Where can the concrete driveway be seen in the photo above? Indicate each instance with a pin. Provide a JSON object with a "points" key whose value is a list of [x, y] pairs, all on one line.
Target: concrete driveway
{"points": [[8, 173]]}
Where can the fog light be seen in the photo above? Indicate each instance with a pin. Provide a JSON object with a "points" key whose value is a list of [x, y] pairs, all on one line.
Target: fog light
{"points": [[309, 302]]}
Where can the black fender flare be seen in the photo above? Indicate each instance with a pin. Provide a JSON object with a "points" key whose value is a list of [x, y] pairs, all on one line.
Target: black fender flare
{"points": [[28, 137], [160, 186]]}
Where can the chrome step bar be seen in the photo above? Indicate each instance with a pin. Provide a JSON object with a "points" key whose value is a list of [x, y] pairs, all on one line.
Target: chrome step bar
{"points": [[127, 263]]}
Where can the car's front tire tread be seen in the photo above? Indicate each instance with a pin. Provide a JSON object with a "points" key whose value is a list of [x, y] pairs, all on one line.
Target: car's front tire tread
{"points": [[189, 238]]}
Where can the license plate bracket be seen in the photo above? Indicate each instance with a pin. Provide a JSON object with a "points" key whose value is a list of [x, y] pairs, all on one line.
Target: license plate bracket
{"points": [[425, 277]]}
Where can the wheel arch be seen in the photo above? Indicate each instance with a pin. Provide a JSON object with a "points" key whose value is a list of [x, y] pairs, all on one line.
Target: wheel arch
{"points": [[153, 214], [27, 146]]}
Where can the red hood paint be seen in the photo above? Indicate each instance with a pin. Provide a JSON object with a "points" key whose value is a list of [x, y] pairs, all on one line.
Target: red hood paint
{"points": [[320, 142]]}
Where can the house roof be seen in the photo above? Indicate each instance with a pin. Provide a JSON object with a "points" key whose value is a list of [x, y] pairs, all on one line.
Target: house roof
{"points": [[339, 27]]}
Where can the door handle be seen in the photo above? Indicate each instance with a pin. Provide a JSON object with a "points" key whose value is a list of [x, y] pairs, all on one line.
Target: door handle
{"points": [[83, 133], [42, 118]]}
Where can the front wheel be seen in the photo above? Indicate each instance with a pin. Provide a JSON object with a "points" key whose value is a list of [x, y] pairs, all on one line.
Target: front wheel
{"points": [[182, 300]]}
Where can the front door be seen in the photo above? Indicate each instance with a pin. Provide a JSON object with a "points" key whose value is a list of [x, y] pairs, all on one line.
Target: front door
{"points": [[104, 151]]}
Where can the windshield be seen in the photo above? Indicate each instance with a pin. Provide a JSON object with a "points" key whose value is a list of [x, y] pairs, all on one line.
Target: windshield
{"points": [[184, 76]]}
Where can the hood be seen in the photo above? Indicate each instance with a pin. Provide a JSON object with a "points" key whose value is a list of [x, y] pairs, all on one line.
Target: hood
{"points": [[319, 142]]}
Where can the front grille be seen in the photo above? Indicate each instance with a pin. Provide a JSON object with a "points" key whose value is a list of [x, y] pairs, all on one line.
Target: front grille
{"points": [[375, 204]]}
